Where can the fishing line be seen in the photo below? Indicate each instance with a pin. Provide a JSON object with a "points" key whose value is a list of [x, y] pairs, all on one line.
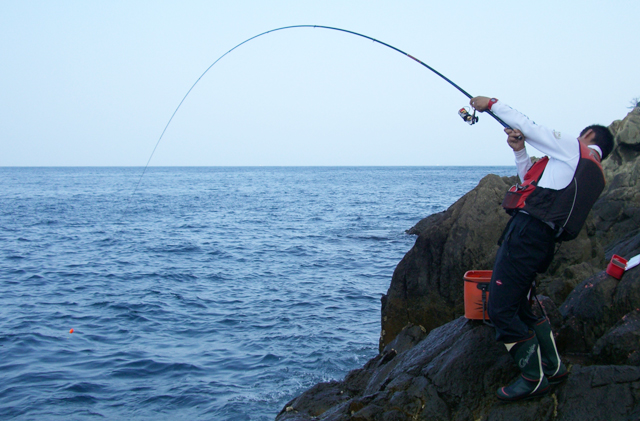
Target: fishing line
{"points": [[465, 93]]}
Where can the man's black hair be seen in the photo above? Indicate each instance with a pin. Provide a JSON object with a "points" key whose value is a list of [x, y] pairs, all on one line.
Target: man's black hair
{"points": [[604, 138]]}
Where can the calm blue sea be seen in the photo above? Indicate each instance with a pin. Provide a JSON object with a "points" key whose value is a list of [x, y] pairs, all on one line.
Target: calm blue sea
{"points": [[210, 294]]}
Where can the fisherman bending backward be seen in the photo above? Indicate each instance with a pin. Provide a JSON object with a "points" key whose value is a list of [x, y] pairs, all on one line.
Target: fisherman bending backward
{"points": [[550, 205]]}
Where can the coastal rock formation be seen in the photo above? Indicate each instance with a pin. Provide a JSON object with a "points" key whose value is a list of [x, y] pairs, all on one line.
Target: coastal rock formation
{"points": [[435, 365], [618, 210], [601, 316], [453, 374], [426, 287]]}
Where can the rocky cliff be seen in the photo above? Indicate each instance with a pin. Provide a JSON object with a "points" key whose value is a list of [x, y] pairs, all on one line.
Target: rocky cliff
{"points": [[436, 365]]}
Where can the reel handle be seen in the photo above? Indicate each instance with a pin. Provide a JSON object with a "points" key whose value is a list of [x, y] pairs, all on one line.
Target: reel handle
{"points": [[472, 119]]}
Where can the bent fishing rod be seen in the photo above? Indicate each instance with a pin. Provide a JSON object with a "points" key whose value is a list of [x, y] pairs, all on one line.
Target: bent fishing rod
{"points": [[463, 112]]}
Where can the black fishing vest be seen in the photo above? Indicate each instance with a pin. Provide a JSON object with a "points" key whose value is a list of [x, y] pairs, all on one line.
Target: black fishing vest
{"points": [[566, 210]]}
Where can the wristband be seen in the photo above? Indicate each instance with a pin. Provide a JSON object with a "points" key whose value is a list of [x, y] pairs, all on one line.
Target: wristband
{"points": [[491, 102]]}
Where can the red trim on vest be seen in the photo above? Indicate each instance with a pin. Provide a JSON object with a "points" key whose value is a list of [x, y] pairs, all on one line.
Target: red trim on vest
{"points": [[567, 208], [517, 195]]}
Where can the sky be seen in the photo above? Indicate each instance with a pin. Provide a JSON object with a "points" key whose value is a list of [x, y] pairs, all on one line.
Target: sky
{"points": [[94, 83]]}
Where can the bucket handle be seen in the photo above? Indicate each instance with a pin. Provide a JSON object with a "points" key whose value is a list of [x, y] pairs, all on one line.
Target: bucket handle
{"points": [[484, 287]]}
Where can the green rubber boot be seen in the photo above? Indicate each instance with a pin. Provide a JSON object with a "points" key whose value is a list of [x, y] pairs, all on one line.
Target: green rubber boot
{"points": [[532, 382], [553, 368]]}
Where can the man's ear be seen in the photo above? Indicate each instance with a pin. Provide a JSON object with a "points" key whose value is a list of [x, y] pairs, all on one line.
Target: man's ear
{"points": [[589, 136]]}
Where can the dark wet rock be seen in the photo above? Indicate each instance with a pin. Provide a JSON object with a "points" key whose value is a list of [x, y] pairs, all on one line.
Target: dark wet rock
{"points": [[432, 380], [600, 393], [453, 374], [595, 306], [621, 344], [628, 247], [587, 313], [558, 288], [549, 309], [410, 336], [319, 400]]}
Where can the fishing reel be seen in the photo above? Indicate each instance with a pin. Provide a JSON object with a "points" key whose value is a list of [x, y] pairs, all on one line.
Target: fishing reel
{"points": [[469, 118]]}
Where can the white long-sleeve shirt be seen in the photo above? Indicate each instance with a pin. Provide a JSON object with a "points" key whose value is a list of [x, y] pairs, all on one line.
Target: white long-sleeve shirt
{"points": [[563, 151]]}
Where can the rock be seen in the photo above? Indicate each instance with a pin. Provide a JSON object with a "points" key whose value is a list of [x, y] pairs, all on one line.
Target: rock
{"points": [[531, 411], [421, 382], [549, 310], [587, 314], [453, 374], [406, 339], [585, 254], [427, 285], [628, 247], [559, 287], [596, 306], [314, 402], [600, 393], [621, 344], [617, 212]]}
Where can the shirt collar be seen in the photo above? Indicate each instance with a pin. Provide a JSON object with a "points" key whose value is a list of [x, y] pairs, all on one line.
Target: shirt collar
{"points": [[597, 149]]}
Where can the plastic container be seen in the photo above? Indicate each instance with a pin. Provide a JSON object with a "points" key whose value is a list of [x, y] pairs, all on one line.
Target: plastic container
{"points": [[476, 294], [617, 266]]}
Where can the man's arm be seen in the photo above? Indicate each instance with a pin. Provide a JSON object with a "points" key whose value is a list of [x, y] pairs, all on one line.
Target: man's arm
{"points": [[515, 140], [545, 140]]}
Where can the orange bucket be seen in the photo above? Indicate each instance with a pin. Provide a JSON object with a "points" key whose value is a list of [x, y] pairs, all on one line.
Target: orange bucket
{"points": [[476, 294]]}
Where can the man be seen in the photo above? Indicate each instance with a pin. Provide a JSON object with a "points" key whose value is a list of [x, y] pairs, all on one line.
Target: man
{"points": [[551, 204]]}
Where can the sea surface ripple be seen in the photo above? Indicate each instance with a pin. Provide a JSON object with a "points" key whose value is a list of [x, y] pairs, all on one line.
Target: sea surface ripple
{"points": [[212, 293]]}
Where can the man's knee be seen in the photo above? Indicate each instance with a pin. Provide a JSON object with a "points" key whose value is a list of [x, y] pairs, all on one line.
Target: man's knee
{"points": [[509, 327]]}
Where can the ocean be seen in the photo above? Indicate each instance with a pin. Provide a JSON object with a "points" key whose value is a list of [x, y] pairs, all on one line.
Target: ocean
{"points": [[211, 293]]}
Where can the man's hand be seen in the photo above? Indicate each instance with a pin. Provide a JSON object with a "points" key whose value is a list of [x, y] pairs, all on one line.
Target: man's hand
{"points": [[480, 103], [515, 139]]}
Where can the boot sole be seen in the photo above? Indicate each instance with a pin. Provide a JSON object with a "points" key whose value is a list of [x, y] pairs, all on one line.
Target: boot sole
{"points": [[537, 394], [557, 380]]}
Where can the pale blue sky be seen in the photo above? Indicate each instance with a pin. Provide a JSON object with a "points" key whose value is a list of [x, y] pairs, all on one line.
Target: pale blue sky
{"points": [[87, 83]]}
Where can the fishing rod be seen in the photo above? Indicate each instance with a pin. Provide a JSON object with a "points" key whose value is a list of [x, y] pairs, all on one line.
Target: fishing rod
{"points": [[463, 112]]}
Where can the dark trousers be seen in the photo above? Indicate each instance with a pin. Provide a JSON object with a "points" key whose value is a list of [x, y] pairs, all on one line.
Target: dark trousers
{"points": [[527, 248]]}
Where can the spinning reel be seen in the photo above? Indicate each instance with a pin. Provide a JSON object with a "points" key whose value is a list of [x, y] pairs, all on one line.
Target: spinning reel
{"points": [[466, 116]]}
